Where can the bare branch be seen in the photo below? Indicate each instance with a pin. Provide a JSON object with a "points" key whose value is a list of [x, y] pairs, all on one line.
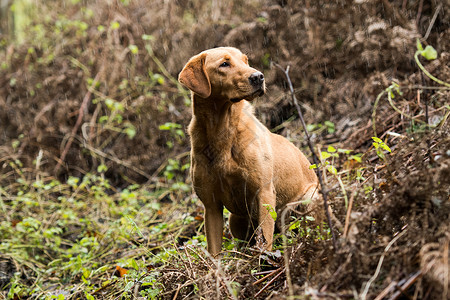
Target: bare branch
{"points": [[311, 147]]}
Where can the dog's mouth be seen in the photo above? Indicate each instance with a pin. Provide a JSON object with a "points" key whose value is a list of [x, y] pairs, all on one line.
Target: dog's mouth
{"points": [[255, 94]]}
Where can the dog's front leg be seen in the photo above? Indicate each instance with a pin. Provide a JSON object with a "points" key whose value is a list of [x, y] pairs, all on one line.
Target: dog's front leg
{"points": [[267, 206], [214, 226]]}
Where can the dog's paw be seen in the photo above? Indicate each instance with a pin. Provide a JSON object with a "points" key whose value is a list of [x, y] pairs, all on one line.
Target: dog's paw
{"points": [[260, 241]]}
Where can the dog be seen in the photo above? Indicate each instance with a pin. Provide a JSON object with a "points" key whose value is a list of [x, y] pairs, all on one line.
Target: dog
{"points": [[236, 162]]}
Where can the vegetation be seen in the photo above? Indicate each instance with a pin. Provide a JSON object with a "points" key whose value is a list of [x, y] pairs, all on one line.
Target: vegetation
{"points": [[95, 195]]}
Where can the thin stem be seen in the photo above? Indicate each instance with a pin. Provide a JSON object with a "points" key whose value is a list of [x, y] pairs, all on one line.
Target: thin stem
{"points": [[416, 57], [398, 110], [315, 158], [374, 113]]}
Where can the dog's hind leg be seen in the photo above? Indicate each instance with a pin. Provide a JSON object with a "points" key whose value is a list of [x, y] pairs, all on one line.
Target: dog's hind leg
{"points": [[241, 227]]}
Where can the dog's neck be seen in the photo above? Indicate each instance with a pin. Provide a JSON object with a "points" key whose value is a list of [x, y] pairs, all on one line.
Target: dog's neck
{"points": [[215, 121], [215, 114]]}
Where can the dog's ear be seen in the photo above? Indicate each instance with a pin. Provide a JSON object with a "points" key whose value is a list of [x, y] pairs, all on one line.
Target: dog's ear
{"points": [[194, 76]]}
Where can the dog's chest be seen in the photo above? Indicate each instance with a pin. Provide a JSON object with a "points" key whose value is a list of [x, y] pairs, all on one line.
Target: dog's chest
{"points": [[229, 164], [235, 184], [237, 192]]}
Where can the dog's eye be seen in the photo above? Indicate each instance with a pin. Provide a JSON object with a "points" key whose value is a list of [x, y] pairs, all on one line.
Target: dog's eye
{"points": [[225, 64]]}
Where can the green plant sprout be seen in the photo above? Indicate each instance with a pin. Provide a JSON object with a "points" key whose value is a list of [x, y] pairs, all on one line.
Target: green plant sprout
{"points": [[331, 154], [184, 92], [271, 211], [430, 54], [175, 131], [327, 125], [379, 146]]}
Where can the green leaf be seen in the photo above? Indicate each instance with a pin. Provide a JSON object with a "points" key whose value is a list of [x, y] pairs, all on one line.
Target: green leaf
{"points": [[134, 264], [86, 273], [115, 25], [88, 296], [391, 94], [378, 143], [159, 79], [130, 131], [331, 149], [271, 211], [169, 126], [345, 151], [273, 214], [103, 119], [147, 37], [325, 155], [419, 45], [110, 103], [179, 132], [429, 53], [311, 127], [128, 286], [330, 126], [294, 225], [102, 168], [134, 49], [73, 181], [378, 140], [332, 170], [385, 147], [314, 166], [355, 157]]}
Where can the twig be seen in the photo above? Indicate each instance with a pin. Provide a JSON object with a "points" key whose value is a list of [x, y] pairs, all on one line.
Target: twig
{"points": [[391, 103], [315, 158], [374, 112], [269, 283], [344, 192], [285, 253], [419, 12], [406, 285], [83, 107], [280, 269], [164, 165], [349, 212], [432, 21], [178, 290], [380, 263], [118, 161], [386, 290], [262, 273], [166, 73]]}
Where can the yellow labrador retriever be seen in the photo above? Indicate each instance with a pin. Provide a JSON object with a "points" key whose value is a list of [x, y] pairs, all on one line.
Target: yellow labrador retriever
{"points": [[236, 162]]}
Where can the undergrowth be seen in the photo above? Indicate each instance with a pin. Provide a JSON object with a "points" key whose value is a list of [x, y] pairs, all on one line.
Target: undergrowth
{"points": [[69, 237], [85, 238]]}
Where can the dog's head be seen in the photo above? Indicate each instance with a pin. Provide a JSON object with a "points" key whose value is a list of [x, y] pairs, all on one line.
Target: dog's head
{"points": [[222, 73]]}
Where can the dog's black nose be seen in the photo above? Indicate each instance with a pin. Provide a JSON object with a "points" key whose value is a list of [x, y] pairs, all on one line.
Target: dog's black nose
{"points": [[256, 79]]}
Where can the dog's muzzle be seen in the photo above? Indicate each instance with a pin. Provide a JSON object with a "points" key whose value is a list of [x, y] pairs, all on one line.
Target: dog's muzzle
{"points": [[256, 80]]}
